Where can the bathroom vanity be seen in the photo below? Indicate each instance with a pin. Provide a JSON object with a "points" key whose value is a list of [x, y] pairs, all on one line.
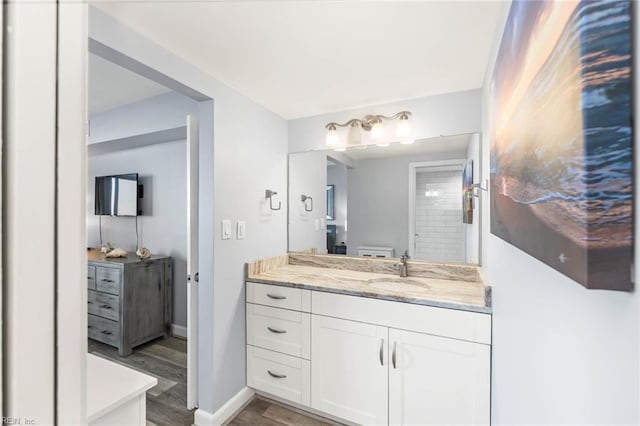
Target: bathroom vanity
{"points": [[351, 340]]}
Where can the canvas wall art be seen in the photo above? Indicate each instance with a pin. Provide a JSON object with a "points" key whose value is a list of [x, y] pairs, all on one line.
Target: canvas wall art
{"points": [[561, 138], [467, 192]]}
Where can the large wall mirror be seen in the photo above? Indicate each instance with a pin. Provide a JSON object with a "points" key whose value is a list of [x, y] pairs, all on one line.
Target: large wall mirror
{"points": [[380, 201]]}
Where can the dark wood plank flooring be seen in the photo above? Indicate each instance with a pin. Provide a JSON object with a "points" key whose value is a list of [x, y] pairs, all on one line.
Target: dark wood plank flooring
{"points": [[165, 359], [262, 412]]}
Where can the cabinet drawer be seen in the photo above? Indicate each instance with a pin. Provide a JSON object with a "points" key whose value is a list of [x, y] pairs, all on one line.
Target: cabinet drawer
{"points": [[103, 305], [103, 330], [279, 296], [280, 330], [108, 280], [91, 277], [280, 375]]}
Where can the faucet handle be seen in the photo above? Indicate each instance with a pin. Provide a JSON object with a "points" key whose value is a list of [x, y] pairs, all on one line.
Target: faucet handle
{"points": [[405, 256]]}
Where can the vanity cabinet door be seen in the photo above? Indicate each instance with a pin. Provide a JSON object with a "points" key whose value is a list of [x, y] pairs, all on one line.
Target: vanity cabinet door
{"points": [[349, 369], [436, 380]]}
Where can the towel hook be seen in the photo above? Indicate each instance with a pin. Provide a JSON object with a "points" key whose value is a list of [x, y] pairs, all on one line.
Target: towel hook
{"points": [[304, 199], [269, 194]]}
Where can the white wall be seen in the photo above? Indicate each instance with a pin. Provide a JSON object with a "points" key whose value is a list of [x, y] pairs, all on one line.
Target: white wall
{"points": [[561, 353], [307, 175], [472, 230], [337, 176], [248, 156], [163, 225], [433, 116]]}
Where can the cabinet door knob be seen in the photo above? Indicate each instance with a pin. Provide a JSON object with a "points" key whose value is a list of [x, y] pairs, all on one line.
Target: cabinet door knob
{"points": [[276, 375], [275, 330], [393, 356], [274, 296]]}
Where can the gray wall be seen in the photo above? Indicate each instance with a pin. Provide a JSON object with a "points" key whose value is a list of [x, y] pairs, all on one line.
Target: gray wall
{"points": [[337, 176], [163, 225], [243, 151], [562, 354], [307, 175], [378, 201]]}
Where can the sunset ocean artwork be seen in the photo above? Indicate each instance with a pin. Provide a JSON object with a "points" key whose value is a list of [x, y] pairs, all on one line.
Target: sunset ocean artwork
{"points": [[561, 138]]}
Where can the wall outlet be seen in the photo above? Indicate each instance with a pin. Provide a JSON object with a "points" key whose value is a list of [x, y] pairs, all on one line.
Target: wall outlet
{"points": [[226, 229], [241, 230]]}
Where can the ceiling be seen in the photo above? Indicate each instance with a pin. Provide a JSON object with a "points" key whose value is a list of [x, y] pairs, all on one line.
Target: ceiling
{"points": [[452, 144], [302, 58], [111, 86]]}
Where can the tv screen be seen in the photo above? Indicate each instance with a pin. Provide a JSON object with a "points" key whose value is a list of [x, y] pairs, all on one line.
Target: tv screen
{"points": [[117, 195]]}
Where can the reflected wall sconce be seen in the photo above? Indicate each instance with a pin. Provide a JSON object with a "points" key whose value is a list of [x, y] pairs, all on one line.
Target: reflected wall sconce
{"points": [[370, 123], [268, 194], [308, 207]]}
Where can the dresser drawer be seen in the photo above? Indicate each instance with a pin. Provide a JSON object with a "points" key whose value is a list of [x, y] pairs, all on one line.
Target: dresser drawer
{"points": [[280, 330], [104, 330], [91, 277], [279, 296], [280, 375], [103, 305], [108, 280]]}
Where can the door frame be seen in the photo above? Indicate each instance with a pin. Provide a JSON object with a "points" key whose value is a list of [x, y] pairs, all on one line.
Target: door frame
{"points": [[413, 168]]}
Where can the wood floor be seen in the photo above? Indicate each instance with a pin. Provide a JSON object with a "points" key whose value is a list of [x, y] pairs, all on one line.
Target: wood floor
{"points": [[166, 360], [261, 412]]}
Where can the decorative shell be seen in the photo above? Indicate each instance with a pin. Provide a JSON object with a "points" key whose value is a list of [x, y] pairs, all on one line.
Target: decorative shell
{"points": [[106, 248], [117, 253], [143, 253]]}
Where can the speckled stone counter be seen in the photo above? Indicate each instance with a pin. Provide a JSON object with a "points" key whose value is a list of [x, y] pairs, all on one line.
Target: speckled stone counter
{"points": [[459, 287]]}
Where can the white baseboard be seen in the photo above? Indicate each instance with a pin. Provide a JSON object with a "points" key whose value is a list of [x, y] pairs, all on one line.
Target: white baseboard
{"points": [[226, 412], [179, 331]]}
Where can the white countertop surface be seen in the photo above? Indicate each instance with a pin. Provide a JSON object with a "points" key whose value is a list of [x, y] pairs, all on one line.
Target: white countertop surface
{"points": [[109, 385]]}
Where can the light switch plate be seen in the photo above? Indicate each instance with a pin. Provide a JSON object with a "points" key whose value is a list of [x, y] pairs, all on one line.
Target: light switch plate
{"points": [[226, 229], [241, 230]]}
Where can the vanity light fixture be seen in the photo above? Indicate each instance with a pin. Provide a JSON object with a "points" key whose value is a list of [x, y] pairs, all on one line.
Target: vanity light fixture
{"points": [[370, 123]]}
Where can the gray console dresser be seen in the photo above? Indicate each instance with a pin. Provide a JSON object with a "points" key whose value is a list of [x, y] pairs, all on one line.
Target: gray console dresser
{"points": [[129, 300]]}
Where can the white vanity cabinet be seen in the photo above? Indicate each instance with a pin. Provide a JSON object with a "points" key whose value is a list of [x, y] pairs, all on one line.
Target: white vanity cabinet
{"points": [[371, 361], [349, 372], [436, 380]]}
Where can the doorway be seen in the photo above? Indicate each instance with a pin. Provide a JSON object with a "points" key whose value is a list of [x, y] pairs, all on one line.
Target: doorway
{"points": [[436, 231]]}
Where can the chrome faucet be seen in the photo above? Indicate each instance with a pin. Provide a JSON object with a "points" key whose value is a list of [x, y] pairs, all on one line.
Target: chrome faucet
{"points": [[402, 266]]}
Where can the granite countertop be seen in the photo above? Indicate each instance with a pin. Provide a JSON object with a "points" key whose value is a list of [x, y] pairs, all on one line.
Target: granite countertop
{"points": [[94, 255], [467, 295]]}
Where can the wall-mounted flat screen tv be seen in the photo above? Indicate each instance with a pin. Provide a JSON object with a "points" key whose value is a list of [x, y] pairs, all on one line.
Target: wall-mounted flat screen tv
{"points": [[117, 195]]}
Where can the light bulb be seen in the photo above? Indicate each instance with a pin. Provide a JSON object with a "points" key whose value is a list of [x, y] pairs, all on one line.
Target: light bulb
{"points": [[332, 135], [404, 126], [377, 129], [355, 134]]}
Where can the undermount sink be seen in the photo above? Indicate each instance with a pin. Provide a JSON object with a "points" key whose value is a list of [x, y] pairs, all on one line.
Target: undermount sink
{"points": [[397, 284]]}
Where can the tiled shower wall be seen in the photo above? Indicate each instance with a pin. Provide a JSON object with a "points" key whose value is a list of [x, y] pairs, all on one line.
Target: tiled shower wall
{"points": [[439, 226]]}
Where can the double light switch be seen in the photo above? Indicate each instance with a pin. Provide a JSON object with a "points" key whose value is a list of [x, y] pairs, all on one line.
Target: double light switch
{"points": [[241, 229]]}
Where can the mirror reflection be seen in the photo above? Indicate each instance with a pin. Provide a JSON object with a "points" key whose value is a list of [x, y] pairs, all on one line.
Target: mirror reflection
{"points": [[382, 201]]}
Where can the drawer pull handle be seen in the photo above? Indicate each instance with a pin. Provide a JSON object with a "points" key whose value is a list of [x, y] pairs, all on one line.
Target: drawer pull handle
{"points": [[276, 375], [274, 296], [106, 307], [105, 280], [393, 356], [89, 278], [90, 302], [107, 332], [381, 352], [90, 326], [275, 330]]}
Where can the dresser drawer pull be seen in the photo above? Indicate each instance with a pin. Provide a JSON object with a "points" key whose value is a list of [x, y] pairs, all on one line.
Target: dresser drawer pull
{"points": [[107, 332], [276, 375], [90, 302], [106, 307], [90, 326], [89, 278], [275, 330], [274, 296], [105, 280]]}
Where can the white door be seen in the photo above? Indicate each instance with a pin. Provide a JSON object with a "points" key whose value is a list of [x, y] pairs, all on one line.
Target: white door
{"points": [[192, 262], [436, 380], [349, 371]]}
